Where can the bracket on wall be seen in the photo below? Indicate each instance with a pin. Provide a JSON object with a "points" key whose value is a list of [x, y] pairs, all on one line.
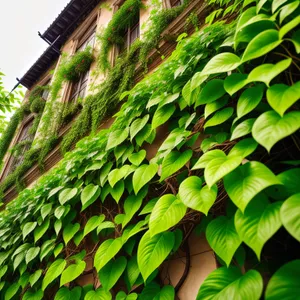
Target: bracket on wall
{"points": [[52, 45]]}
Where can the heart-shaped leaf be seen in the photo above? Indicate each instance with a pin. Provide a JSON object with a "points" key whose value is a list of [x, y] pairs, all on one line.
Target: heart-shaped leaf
{"points": [[137, 126], [234, 82], [35, 277], [244, 183], [92, 224], [194, 196], [281, 97], [66, 195], [137, 158], [223, 238], [258, 223], [53, 272], [106, 252], [152, 251], [72, 272], [70, 231], [41, 230], [162, 115], [242, 129], [290, 215], [212, 91], [31, 254], [230, 283], [143, 175], [219, 117], [284, 284], [214, 106], [28, 228], [89, 195], [270, 128], [34, 295], [117, 137], [168, 208]]}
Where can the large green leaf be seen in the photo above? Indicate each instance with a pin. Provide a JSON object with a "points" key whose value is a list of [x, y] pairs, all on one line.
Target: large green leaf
{"points": [[116, 137], [99, 294], [72, 272], [137, 158], [290, 215], [66, 195], [217, 168], [11, 291], [249, 99], [284, 284], [66, 294], [207, 157], [35, 277], [131, 205], [281, 97], [137, 126], [118, 190], [166, 293], [31, 254], [244, 183], [53, 272], [143, 175], [223, 238], [234, 82], [168, 208], [34, 295], [266, 72], [89, 195], [214, 106], [194, 196], [212, 91], [152, 251], [219, 117], [289, 26], [262, 44], [92, 224], [132, 272], [242, 129], [230, 283], [162, 115], [173, 162], [41, 230], [258, 223], [110, 273], [69, 232], [28, 228], [270, 128], [106, 252], [46, 210], [220, 63], [287, 10], [243, 148]]}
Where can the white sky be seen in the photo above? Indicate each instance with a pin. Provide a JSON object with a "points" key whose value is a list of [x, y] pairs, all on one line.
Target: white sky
{"points": [[20, 45]]}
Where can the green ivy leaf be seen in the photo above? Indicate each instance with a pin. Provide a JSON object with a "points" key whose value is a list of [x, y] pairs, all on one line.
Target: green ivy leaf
{"points": [[41, 230], [131, 205], [137, 158], [66, 195], [107, 250], [168, 208], [148, 207], [217, 168], [46, 210], [214, 106], [223, 238], [35, 277], [3, 270], [132, 272], [111, 272], [117, 191], [230, 283], [281, 97], [207, 157], [262, 44], [11, 291], [290, 215], [28, 228], [116, 137], [137, 126], [259, 222], [99, 294], [53, 272], [152, 251], [105, 225], [244, 183], [221, 63], [166, 293], [220, 117], [276, 4], [194, 196], [92, 224], [89, 195], [284, 284], [162, 115], [234, 82], [242, 129], [173, 162], [265, 73], [287, 10], [57, 226], [31, 254], [243, 148], [212, 91], [249, 99], [33, 295], [270, 128], [143, 175], [72, 272], [58, 249], [70, 231], [289, 26], [46, 248], [59, 211]]}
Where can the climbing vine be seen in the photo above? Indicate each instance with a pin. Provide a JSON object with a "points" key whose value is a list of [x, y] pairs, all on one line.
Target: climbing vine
{"points": [[229, 165]]}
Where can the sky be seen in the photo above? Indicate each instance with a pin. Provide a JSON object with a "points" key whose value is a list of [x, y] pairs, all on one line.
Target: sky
{"points": [[20, 45]]}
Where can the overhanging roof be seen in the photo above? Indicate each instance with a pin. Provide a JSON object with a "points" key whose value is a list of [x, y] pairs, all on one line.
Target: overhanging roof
{"points": [[56, 35]]}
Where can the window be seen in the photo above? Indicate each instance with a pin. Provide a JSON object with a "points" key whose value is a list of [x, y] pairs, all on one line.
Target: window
{"points": [[132, 32], [45, 93], [79, 87], [174, 3]]}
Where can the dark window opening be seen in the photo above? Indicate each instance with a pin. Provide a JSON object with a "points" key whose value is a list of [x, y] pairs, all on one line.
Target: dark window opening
{"points": [[175, 3]]}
